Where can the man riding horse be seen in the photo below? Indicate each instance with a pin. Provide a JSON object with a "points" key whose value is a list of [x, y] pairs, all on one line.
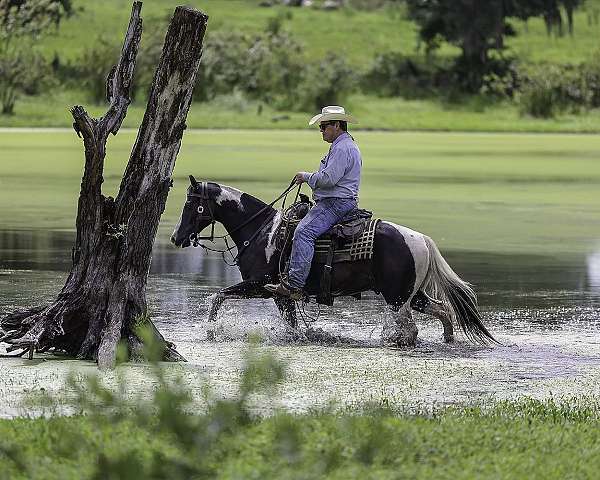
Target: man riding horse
{"points": [[335, 192], [406, 266]]}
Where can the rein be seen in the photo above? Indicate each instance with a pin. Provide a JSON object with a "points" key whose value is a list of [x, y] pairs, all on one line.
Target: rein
{"points": [[204, 195]]}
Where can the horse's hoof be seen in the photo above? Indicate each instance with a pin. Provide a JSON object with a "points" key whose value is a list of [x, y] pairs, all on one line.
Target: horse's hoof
{"points": [[397, 337], [295, 335], [400, 341], [319, 335], [210, 335], [449, 338], [405, 342]]}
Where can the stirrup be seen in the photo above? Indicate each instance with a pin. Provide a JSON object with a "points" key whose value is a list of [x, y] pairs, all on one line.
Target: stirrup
{"points": [[285, 290]]}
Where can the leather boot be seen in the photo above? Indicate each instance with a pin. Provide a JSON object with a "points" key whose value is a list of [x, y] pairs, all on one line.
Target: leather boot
{"points": [[285, 290]]}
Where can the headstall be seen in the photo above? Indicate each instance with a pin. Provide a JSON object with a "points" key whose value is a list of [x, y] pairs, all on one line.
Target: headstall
{"points": [[203, 195]]}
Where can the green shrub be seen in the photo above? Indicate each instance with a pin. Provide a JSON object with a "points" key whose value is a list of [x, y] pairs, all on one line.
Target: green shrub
{"points": [[196, 439], [590, 77], [90, 70], [394, 74], [271, 68], [502, 85], [235, 101], [93, 66], [538, 100], [547, 90], [266, 67], [22, 71], [275, 65], [224, 65], [327, 82], [236, 69]]}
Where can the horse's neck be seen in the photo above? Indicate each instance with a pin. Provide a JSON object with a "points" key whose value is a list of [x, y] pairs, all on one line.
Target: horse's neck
{"points": [[233, 213]]}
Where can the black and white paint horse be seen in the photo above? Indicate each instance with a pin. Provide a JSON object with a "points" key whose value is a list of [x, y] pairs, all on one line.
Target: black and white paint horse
{"points": [[407, 267]]}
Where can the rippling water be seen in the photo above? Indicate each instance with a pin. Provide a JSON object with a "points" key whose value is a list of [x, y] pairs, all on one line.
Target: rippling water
{"points": [[544, 310]]}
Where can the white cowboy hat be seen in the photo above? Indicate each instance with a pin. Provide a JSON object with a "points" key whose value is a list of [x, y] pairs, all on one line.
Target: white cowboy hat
{"points": [[332, 112]]}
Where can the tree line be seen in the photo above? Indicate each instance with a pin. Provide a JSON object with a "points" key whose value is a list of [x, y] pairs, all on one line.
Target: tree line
{"points": [[479, 28]]}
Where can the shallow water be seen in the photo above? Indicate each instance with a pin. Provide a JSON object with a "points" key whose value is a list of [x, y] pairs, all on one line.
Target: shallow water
{"points": [[544, 310]]}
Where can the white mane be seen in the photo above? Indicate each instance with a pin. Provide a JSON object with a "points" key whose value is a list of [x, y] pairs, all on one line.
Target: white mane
{"points": [[230, 194], [271, 244]]}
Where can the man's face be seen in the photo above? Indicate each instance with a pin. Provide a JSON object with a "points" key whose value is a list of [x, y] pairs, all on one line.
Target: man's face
{"points": [[330, 131]]}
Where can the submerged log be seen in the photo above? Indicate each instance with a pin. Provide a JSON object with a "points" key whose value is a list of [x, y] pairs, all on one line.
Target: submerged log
{"points": [[103, 301]]}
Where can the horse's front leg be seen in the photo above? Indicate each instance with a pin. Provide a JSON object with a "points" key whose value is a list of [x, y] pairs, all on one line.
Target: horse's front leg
{"points": [[245, 289], [215, 304], [287, 309]]}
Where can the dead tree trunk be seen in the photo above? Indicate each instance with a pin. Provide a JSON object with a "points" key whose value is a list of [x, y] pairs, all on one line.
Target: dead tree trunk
{"points": [[103, 301]]}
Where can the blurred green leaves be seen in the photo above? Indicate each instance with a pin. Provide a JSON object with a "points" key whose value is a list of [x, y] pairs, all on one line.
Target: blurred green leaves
{"points": [[165, 436], [22, 69], [170, 413]]}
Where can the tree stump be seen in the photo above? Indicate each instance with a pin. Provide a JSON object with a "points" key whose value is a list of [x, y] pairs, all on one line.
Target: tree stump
{"points": [[103, 301]]}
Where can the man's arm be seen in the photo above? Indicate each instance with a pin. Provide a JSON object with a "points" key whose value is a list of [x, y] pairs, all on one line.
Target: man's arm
{"points": [[330, 175]]}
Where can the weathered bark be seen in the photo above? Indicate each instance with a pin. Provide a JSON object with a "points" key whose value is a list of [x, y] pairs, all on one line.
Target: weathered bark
{"points": [[104, 300]]}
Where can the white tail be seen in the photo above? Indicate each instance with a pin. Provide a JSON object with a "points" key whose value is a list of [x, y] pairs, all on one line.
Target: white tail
{"points": [[457, 295]]}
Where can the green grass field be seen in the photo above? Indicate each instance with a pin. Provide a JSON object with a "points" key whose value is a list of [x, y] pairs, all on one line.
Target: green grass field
{"points": [[357, 35], [485, 192], [525, 439]]}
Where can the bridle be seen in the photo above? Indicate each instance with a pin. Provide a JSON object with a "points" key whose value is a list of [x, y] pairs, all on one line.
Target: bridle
{"points": [[204, 195]]}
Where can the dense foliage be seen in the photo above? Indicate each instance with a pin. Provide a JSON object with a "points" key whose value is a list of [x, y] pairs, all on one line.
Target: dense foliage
{"points": [[480, 31], [22, 23], [268, 68]]}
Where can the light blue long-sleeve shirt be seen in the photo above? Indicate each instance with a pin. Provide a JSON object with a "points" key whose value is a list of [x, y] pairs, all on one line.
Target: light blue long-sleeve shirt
{"points": [[339, 173]]}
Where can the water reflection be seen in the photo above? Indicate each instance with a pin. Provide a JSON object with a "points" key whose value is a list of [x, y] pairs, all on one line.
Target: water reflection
{"points": [[51, 250], [491, 273], [593, 271]]}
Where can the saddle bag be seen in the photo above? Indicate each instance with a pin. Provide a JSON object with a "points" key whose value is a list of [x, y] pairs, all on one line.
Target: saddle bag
{"points": [[352, 225]]}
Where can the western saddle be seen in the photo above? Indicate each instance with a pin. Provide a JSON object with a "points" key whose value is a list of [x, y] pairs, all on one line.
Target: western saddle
{"points": [[350, 240]]}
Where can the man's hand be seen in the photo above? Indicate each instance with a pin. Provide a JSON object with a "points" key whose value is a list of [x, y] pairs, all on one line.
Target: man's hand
{"points": [[299, 178]]}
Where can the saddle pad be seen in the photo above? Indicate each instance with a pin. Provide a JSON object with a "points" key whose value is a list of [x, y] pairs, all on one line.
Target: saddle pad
{"points": [[359, 248]]}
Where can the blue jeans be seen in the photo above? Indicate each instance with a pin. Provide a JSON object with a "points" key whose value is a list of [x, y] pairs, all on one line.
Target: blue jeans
{"points": [[326, 213]]}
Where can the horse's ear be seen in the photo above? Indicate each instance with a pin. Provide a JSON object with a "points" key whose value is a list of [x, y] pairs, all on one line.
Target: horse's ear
{"points": [[193, 181]]}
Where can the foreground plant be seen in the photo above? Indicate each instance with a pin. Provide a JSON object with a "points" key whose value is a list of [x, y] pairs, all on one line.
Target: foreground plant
{"points": [[163, 435], [170, 414]]}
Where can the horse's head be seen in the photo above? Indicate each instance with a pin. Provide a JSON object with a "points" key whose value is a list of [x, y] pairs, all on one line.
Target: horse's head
{"points": [[197, 213]]}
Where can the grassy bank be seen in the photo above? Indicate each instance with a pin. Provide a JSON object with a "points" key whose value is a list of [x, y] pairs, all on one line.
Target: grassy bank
{"points": [[525, 439], [504, 193], [232, 112]]}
